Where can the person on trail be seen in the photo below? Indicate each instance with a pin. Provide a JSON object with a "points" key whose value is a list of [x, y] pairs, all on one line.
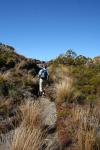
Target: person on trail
{"points": [[43, 78]]}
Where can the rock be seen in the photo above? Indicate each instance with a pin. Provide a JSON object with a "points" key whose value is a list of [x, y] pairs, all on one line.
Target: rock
{"points": [[49, 112]]}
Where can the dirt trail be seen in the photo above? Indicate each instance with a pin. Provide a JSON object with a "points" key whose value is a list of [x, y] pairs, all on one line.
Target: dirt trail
{"points": [[50, 117], [49, 111]]}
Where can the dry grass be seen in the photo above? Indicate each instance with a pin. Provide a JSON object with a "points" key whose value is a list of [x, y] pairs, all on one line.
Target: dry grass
{"points": [[86, 125], [5, 76], [57, 73], [65, 91], [6, 140], [10, 116], [28, 80], [29, 136], [2, 77], [34, 81]]}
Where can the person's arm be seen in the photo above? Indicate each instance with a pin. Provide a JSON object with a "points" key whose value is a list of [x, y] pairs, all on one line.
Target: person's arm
{"points": [[39, 74]]}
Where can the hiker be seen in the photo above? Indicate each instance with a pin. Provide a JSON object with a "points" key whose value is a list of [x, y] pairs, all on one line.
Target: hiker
{"points": [[43, 77]]}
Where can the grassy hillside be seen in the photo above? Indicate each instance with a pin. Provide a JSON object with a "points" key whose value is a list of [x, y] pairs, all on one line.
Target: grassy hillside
{"points": [[85, 72], [73, 90]]}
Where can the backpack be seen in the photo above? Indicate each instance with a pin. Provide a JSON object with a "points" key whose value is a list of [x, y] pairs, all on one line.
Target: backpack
{"points": [[44, 74]]}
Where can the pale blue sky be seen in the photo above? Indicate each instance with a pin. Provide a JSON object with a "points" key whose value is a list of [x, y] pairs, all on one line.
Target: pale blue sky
{"points": [[43, 29]]}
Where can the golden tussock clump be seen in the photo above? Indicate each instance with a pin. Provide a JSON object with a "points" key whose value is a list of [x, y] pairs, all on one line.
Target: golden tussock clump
{"points": [[30, 134]]}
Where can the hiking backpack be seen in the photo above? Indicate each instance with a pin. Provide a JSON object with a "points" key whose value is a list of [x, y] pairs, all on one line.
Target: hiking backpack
{"points": [[44, 74]]}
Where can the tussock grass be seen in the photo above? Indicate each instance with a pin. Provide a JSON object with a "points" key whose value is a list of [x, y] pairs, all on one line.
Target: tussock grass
{"points": [[2, 78], [87, 131], [65, 91], [57, 73], [29, 135], [64, 84], [88, 123], [6, 76], [29, 81], [82, 126]]}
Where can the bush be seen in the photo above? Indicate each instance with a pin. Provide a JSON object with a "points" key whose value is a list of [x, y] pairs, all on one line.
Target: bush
{"points": [[28, 64], [3, 86], [10, 63], [7, 59]]}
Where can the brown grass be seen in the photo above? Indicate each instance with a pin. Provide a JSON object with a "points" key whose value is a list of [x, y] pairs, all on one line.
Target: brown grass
{"points": [[2, 77], [5, 76], [88, 124], [57, 73], [30, 134], [29, 81], [80, 126], [65, 91]]}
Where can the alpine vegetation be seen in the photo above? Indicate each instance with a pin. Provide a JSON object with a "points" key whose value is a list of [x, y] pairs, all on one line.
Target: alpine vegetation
{"points": [[58, 112]]}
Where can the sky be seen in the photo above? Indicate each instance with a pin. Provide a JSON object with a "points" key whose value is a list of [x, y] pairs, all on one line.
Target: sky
{"points": [[43, 29]]}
